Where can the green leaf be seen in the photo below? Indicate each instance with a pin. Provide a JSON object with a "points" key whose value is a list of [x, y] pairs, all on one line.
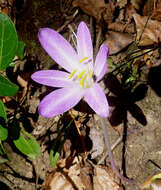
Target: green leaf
{"points": [[3, 120], [27, 144], [111, 63], [3, 111], [8, 41], [3, 133], [131, 78], [20, 49], [53, 158], [7, 88]]}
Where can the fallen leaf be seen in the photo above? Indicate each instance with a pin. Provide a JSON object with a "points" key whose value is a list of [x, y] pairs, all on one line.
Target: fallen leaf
{"points": [[154, 182], [116, 41], [155, 11], [82, 175], [137, 4], [130, 10], [121, 27], [146, 7], [122, 3], [93, 8], [65, 179], [151, 34], [156, 14], [97, 8], [105, 179]]}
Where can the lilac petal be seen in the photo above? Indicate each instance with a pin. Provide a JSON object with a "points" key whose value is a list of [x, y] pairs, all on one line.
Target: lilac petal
{"points": [[60, 101], [100, 66], [84, 43], [96, 99], [52, 78], [58, 48]]}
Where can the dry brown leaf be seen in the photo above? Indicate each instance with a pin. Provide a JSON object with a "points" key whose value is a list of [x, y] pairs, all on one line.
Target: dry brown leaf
{"points": [[155, 11], [153, 181], [146, 7], [137, 4], [97, 8], [6, 6], [122, 3], [80, 177], [65, 179], [91, 7], [151, 33], [130, 10], [121, 27], [116, 41], [105, 179], [156, 14]]}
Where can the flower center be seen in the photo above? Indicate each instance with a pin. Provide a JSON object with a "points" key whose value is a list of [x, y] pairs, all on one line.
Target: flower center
{"points": [[84, 75]]}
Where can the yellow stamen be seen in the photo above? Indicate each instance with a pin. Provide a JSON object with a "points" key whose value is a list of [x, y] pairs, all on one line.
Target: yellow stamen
{"points": [[83, 59], [81, 74], [82, 80], [70, 76]]}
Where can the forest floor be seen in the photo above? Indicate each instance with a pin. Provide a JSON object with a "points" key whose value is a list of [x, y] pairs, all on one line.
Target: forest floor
{"points": [[135, 106]]}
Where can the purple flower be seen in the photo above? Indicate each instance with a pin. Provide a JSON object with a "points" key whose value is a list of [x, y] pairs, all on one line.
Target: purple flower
{"points": [[82, 76]]}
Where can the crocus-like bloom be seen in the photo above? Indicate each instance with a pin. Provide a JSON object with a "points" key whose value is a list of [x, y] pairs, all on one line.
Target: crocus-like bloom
{"points": [[82, 76]]}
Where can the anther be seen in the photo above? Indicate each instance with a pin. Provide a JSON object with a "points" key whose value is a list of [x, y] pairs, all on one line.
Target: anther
{"points": [[83, 59], [81, 74], [82, 80], [70, 76]]}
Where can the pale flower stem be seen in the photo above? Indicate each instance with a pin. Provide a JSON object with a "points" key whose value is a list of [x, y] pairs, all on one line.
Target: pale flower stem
{"points": [[108, 147]]}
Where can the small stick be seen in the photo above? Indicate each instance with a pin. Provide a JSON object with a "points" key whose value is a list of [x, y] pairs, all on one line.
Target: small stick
{"points": [[73, 117], [107, 143], [118, 141], [79, 132], [67, 22]]}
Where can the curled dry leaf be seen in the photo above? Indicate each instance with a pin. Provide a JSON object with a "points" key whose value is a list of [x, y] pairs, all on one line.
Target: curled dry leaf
{"points": [[91, 7], [65, 179], [153, 181], [151, 34], [116, 41], [103, 178]]}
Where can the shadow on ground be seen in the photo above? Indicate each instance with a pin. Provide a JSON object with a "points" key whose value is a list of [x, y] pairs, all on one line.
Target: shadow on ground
{"points": [[124, 100], [154, 78]]}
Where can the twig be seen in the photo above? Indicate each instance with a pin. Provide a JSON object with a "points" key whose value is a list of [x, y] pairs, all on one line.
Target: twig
{"points": [[67, 22], [107, 143], [79, 132], [118, 141]]}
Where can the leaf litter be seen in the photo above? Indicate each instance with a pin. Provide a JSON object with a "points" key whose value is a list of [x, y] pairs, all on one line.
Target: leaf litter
{"points": [[82, 173]]}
